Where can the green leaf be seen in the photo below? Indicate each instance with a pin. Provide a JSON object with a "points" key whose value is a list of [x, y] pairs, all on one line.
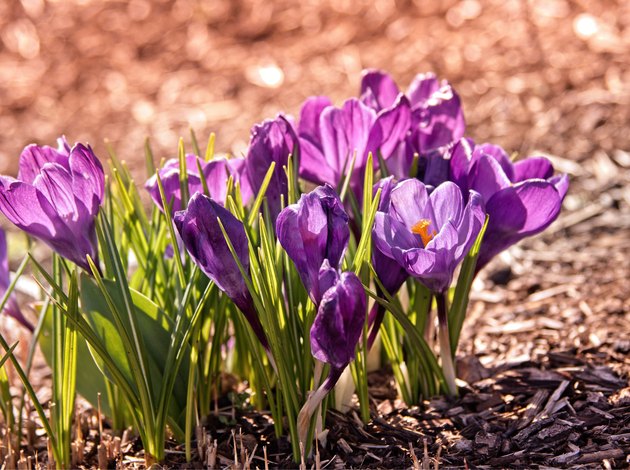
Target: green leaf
{"points": [[457, 312]]}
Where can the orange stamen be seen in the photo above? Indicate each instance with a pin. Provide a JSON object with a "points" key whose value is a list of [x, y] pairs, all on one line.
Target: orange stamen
{"points": [[422, 228]]}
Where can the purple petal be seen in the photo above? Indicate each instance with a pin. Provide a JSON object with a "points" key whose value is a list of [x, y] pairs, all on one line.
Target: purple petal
{"points": [[516, 212], [533, 167], [460, 159], [54, 182], [487, 177], [88, 178], [271, 141], [423, 86], [561, 183], [408, 201], [378, 89], [447, 204], [499, 155], [389, 233], [345, 131], [389, 129], [339, 322], [34, 157]]}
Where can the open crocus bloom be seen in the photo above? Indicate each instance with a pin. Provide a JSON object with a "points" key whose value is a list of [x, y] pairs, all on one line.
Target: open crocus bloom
{"points": [[311, 231], [56, 197], [437, 119], [429, 235], [271, 141], [521, 199], [216, 172], [201, 234], [331, 137]]}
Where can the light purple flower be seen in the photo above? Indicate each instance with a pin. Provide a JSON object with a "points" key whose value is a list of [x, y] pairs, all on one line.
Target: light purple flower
{"points": [[271, 141], [330, 137], [311, 231], [56, 198], [216, 173], [201, 234], [11, 307], [429, 235], [521, 199]]}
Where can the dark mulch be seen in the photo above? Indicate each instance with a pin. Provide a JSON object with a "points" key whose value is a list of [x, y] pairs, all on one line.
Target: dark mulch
{"points": [[546, 343]]}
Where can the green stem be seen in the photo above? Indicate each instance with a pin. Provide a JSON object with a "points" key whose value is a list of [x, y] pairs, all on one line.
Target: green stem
{"points": [[445, 344]]}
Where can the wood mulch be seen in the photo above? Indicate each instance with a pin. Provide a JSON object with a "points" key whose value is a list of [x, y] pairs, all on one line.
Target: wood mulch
{"points": [[544, 357]]}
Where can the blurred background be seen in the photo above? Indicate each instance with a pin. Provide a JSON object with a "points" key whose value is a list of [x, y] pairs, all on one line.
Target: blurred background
{"points": [[545, 75]]}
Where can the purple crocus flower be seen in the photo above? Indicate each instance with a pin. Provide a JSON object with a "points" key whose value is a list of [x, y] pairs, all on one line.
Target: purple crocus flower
{"points": [[56, 197], [429, 235], [312, 231], [437, 120], [216, 172], [11, 307], [521, 199], [201, 234], [330, 137], [335, 333], [271, 141]]}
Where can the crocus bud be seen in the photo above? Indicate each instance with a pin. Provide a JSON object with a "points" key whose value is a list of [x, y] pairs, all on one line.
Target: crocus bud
{"points": [[216, 172], [201, 234], [271, 141], [311, 231], [11, 307], [56, 198], [334, 336]]}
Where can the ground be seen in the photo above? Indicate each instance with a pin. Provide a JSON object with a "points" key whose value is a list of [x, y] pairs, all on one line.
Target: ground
{"points": [[545, 347]]}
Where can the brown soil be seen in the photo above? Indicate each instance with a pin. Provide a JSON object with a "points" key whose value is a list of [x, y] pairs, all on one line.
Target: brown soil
{"points": [[545, 350]]}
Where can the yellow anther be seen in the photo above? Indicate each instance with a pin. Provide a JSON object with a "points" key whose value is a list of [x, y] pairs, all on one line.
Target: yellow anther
{"points": [[422, 228]]}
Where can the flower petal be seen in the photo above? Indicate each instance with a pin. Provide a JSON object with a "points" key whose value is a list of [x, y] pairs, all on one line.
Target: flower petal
{"points": [[378, 89], [487, 177], [533, 167], [408, 201]]}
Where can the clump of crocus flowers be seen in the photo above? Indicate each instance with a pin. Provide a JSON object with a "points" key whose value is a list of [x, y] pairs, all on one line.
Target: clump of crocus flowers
{"points": [[304, 278]]}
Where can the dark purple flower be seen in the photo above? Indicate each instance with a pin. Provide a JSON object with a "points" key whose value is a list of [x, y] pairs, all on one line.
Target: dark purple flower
{"points": [[271, 141], [436, 120], [335, 333], [201, 234], [56, 198], [311, 231], [429, 235], [339, 322], [521, 199], [216, 172], [11, 307], [330, 137]]}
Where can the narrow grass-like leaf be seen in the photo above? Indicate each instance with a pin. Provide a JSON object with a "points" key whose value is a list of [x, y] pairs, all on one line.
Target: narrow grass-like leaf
{"points": [[210, 147], [148, 158], [253, 215], [195, 144], [457, 312]]}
